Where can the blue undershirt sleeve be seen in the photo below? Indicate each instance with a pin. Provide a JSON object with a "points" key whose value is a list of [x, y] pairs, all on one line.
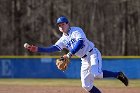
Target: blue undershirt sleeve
{"points": [[77, 47], [48, 49]]}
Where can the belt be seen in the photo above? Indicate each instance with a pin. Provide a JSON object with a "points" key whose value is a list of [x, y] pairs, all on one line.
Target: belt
{"points": [[86, 54]]}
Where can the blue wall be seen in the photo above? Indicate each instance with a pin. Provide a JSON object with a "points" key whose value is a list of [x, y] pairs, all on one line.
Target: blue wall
{"points": [[46, 68]]}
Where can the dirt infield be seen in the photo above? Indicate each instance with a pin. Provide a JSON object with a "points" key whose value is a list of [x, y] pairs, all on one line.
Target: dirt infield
{"points": [[49, 89]]}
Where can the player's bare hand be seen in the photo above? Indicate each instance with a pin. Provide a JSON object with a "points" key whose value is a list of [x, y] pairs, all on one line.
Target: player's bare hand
{"points": [[31, 48], [65, 56]]}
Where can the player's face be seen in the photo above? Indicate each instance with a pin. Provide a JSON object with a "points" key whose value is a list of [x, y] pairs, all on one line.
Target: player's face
{"points": [[63, 27]]}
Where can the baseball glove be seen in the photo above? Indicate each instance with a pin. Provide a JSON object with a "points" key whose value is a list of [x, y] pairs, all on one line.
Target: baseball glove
{"points": [[62, 63]]}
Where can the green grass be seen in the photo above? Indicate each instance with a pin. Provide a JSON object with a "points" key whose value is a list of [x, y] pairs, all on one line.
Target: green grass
{"points": [[67, 82], [48, 82]]}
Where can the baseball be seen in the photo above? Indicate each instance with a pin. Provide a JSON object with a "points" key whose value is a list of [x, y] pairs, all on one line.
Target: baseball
{"points": [[26, 45]]}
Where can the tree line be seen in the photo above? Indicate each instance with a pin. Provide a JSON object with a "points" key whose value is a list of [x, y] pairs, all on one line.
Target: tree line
{"points": [[113, 25]]}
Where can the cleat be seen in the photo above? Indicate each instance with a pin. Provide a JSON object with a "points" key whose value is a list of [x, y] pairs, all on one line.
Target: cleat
{"points": [[122, 78]]}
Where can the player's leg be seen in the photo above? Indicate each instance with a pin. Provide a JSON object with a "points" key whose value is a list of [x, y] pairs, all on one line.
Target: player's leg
{"points": [[87, 82], [118, 75], [94, 90], [107, 74], [85, 75], [95, 69], [87, 78]]}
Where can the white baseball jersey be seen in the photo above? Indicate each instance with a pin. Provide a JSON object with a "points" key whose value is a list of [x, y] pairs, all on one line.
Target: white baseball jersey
{"points": [[91, 64], [70, 40]]}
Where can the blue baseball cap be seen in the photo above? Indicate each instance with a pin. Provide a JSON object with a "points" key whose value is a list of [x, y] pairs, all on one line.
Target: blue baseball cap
{"points": [[62, 19]]}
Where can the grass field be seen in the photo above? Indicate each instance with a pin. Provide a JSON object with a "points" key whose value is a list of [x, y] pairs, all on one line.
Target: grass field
{"points": [[67, 82]]}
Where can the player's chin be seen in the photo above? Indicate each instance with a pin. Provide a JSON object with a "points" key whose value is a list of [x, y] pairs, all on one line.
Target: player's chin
{"points": [[63, 31]]}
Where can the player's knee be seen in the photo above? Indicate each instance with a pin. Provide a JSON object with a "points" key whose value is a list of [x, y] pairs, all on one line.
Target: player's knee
{"points": [[99, 76], [87, 88]]}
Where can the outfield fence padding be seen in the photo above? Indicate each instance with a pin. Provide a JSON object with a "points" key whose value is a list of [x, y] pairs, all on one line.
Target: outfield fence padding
{"points": [[46, 68]]}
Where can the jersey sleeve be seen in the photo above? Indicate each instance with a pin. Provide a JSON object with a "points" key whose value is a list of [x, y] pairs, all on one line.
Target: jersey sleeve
{"points": [[48, 49], [59, 44]]}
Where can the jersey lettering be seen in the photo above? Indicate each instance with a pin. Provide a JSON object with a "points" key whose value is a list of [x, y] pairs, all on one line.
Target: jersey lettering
{"points": [[69, 43]]}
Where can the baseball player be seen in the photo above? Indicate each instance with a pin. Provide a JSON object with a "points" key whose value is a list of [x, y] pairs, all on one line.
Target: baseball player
{"points": [[75, 40]]}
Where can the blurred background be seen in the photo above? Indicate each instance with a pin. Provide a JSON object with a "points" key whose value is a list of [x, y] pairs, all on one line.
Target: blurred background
{"points": [[113, 25]]}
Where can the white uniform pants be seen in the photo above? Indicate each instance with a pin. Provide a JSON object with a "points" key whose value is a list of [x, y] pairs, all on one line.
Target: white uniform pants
{"points": [[91, 68]]}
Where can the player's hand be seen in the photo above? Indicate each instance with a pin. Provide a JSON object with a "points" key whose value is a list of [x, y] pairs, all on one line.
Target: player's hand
{"points": [[65, 56], [31, 48]]}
